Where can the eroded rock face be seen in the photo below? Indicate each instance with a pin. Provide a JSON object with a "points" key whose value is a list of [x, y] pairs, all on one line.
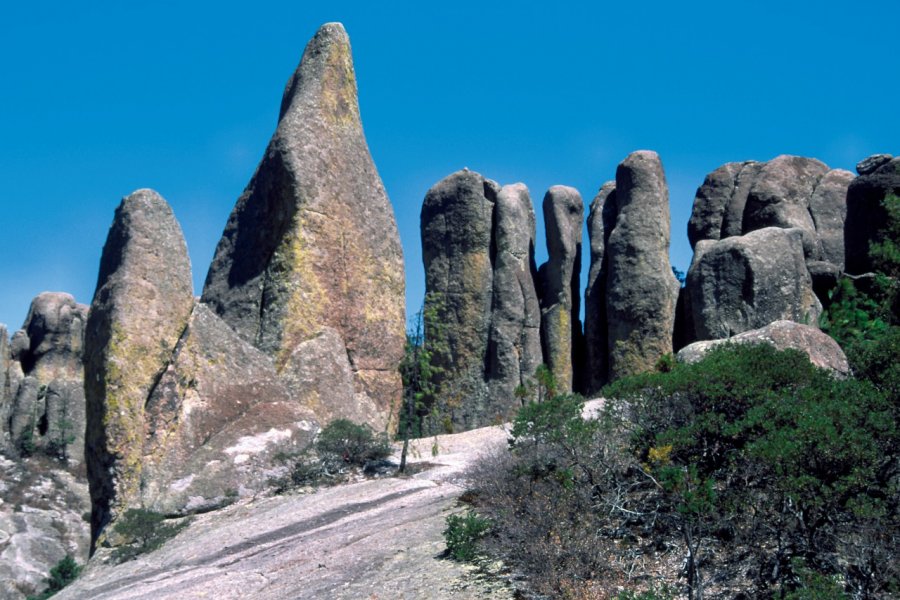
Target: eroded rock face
{"points": [[142, 304], [514, 339], [822, 350], [312, 242], [215, 419], [879, 176], [641, 291], [5, 396], [457, 229], [561, 333], [746, 282], [601, 219]]}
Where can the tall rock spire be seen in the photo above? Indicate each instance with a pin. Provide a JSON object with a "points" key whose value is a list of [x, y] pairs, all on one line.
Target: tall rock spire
{"points": [[312, 242]]}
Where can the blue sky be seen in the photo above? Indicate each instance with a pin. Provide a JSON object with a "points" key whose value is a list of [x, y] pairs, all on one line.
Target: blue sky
{"points": [[101, 98]]}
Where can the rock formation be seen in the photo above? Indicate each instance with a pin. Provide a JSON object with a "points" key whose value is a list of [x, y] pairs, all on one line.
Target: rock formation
{"points": [[560, 278], [514, 340], [482, 309], [601, 219], [214, 420], [43, 379], [879, 175], [822, 350], [312, 242], [746, 282], [141, 306], [787, 192], [641, 291]]}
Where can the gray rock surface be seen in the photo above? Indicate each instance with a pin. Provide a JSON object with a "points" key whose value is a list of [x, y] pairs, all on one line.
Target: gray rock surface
{"points": [[42, 505], [822, 350], [141, 306], [733, 221], [514, 340], [47, 408], [457, 230], [828, 207], [865, 212], [711, 202], [641, 289], [312, 242], [216, 419], [5, 396], [600, 221], [741, 283], [871, 163], [560, 277], [377, 538]]}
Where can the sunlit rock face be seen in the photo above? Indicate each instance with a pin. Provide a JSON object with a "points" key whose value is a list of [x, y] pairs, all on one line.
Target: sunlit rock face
{"points": [[312, 243]]}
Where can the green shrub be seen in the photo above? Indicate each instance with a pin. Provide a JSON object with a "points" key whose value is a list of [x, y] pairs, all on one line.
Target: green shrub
{"points": [[62, 574], [143, 531], [344, 441], [462, 535]]}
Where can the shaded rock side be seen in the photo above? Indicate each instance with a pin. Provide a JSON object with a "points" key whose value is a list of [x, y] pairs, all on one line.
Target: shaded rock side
{"points": [[457, 233], [746, 282], [711, 202], [822, 350], [514, 340], [216, 420], [828, 207], [866, 216], [600, 222], [641, 290], [47, 408], [312, 242], [140, 309], [560, 276], [5, 395]]}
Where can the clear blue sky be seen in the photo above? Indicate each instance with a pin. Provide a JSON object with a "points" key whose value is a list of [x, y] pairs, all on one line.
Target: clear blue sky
{"points": [[98, 99]]}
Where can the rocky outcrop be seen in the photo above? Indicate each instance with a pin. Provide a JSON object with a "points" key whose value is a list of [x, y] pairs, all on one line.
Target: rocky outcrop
{"points": [[641, 291], [514, 339], [745, 282], [312, 242], [143, 300], [482, 311], [879, 176], [822, 350], [457, 230], [600, 222], [560, 278], [45, 383], [5, 396], [216, 418]]}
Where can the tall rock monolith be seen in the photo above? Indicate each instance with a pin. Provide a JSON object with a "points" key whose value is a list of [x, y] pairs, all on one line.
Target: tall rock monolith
{"points": [[600, 221], [141, 307], [5, 399], [641, 290], [312, 242], [457, 232], [560, 277], [514, 339]]}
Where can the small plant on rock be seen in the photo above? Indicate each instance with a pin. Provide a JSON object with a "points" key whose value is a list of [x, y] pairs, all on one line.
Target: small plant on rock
{"points": [[62, 574], [462, 535], [144, 531]]}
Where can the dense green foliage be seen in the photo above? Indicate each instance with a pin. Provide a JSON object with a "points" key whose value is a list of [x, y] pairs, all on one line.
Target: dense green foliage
{"points": [[343, 442], [462, 534], [62, 574], [143, 531]]}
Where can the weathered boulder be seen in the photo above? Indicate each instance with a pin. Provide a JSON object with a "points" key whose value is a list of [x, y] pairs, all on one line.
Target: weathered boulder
{"points": [[457, 230], [828, 207], [866, 215], [560, 277], [711, 202], [140, 309], [745, 282], [215, 420], [822, 350], [5, 397], [514, 339], [312, 242], [641, 288], [600, 221], [733, 221], [780, 198], [47, 409]]}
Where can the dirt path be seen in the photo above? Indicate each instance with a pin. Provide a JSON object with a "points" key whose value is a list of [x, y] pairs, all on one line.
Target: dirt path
{"points": [[376, 539]]}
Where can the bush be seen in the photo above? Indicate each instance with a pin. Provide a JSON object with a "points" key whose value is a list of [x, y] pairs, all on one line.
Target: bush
{"points": [[343, 441], [462, 535], [143, 531], [62, 574]]}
